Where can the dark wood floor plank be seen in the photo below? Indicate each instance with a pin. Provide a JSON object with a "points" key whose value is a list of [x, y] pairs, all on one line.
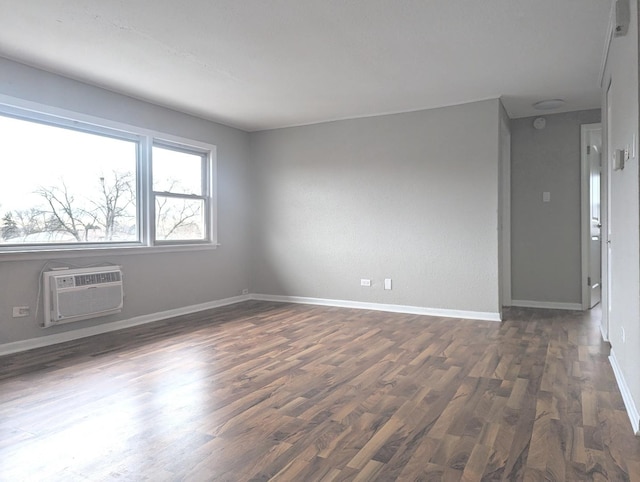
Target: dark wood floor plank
{"points": [[269, 391]]}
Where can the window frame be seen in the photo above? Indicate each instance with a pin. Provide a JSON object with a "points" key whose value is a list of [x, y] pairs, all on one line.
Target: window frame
{"points": [[145, 200], [206, 181]]}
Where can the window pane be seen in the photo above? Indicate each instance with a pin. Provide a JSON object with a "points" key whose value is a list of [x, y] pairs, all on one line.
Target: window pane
{"points": [[179, 219], [64, 186], [177, 171]]}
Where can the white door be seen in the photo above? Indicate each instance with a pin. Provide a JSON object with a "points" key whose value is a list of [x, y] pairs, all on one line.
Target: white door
{"points": [[606, 213], [591, 214], [594, 151]]}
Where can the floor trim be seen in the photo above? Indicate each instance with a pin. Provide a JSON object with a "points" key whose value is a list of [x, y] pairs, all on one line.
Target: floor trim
{"points": [[552, 305], [53, 339], [414, 310], [629, 403]]}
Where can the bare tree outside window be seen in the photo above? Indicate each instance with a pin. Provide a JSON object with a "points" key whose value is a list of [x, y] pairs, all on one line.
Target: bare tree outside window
{"points": [[117, 196], [178, 218], [105, 212], [71, 186], [107, 215]]}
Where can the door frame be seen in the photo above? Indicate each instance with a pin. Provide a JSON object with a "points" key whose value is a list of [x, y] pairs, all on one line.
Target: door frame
{"points": [[585, 210], [605, 211]]}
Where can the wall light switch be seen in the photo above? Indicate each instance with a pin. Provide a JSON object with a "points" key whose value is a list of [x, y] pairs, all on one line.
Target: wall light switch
{"points": [[546, 197], [618, 159]]}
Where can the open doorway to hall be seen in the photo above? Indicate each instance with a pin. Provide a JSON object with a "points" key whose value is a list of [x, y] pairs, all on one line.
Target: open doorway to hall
{"points": [[591, 173]]}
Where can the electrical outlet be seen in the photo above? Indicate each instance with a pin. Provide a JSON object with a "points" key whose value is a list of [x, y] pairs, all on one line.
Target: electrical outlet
{"points": [[365, 282], [245, 291], [20, 311], [387, 283]]}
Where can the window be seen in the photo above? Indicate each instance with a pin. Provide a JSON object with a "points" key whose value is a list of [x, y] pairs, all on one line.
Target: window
{"points": [[180, 193], [68, 184]]}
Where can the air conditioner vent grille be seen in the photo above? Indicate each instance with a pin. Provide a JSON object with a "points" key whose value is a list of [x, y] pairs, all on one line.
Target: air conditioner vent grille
{"points": [[97, 278]]}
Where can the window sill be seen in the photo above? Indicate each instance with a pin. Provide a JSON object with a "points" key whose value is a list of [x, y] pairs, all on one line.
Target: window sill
{"points": [[65, 253]]}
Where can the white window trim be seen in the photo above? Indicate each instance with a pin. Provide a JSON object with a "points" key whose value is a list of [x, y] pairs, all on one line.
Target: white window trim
{"points": [[208, 192], [146, 137]]}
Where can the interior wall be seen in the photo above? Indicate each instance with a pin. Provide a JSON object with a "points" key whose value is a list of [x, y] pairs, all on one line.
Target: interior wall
{"points": [[546, 236], [412, 197], [624, 219], [504, 241], [154, 282]]}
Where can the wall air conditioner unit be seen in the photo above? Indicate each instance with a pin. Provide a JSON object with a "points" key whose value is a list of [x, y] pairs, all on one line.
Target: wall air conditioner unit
{"points": [[79, 294]]}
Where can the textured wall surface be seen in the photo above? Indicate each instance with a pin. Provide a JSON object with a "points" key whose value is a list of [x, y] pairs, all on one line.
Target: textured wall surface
{"points": [[624, 320], [545, 236], [412, 197], [153, 282]]}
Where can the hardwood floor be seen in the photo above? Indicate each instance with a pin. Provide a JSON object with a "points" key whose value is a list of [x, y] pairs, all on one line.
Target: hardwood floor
{"points": [[267, 391]]}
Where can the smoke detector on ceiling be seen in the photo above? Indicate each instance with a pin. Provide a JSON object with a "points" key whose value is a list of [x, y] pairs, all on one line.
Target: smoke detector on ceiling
{"points": [[539, 123]]}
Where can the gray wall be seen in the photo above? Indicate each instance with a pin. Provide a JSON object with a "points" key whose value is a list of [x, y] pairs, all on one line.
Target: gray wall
{"points": [[153, 282], [412, 197], [504, 208], [624, 319], [545, 237]]}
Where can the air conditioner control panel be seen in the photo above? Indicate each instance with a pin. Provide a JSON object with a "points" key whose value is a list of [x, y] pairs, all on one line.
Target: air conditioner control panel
{"points": [[65, 281]]}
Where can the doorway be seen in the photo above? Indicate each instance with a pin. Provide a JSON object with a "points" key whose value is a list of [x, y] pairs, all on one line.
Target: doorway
{"points": [[591, 167]]}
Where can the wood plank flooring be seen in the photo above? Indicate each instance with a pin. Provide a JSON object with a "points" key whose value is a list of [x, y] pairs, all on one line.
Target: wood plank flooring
{"points": [[266, 391]]}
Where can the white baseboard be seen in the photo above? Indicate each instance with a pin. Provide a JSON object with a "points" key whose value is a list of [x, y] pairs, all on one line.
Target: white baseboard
{"points": [[53, 339], [414, 310], [552, 305], [629, 403]]}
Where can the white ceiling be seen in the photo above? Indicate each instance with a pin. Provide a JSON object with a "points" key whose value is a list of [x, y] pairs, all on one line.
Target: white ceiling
{"points": [[261, 64]]}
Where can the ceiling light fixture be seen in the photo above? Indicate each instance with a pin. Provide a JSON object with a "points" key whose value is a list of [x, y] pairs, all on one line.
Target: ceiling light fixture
{"points": [[549, 104]]}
